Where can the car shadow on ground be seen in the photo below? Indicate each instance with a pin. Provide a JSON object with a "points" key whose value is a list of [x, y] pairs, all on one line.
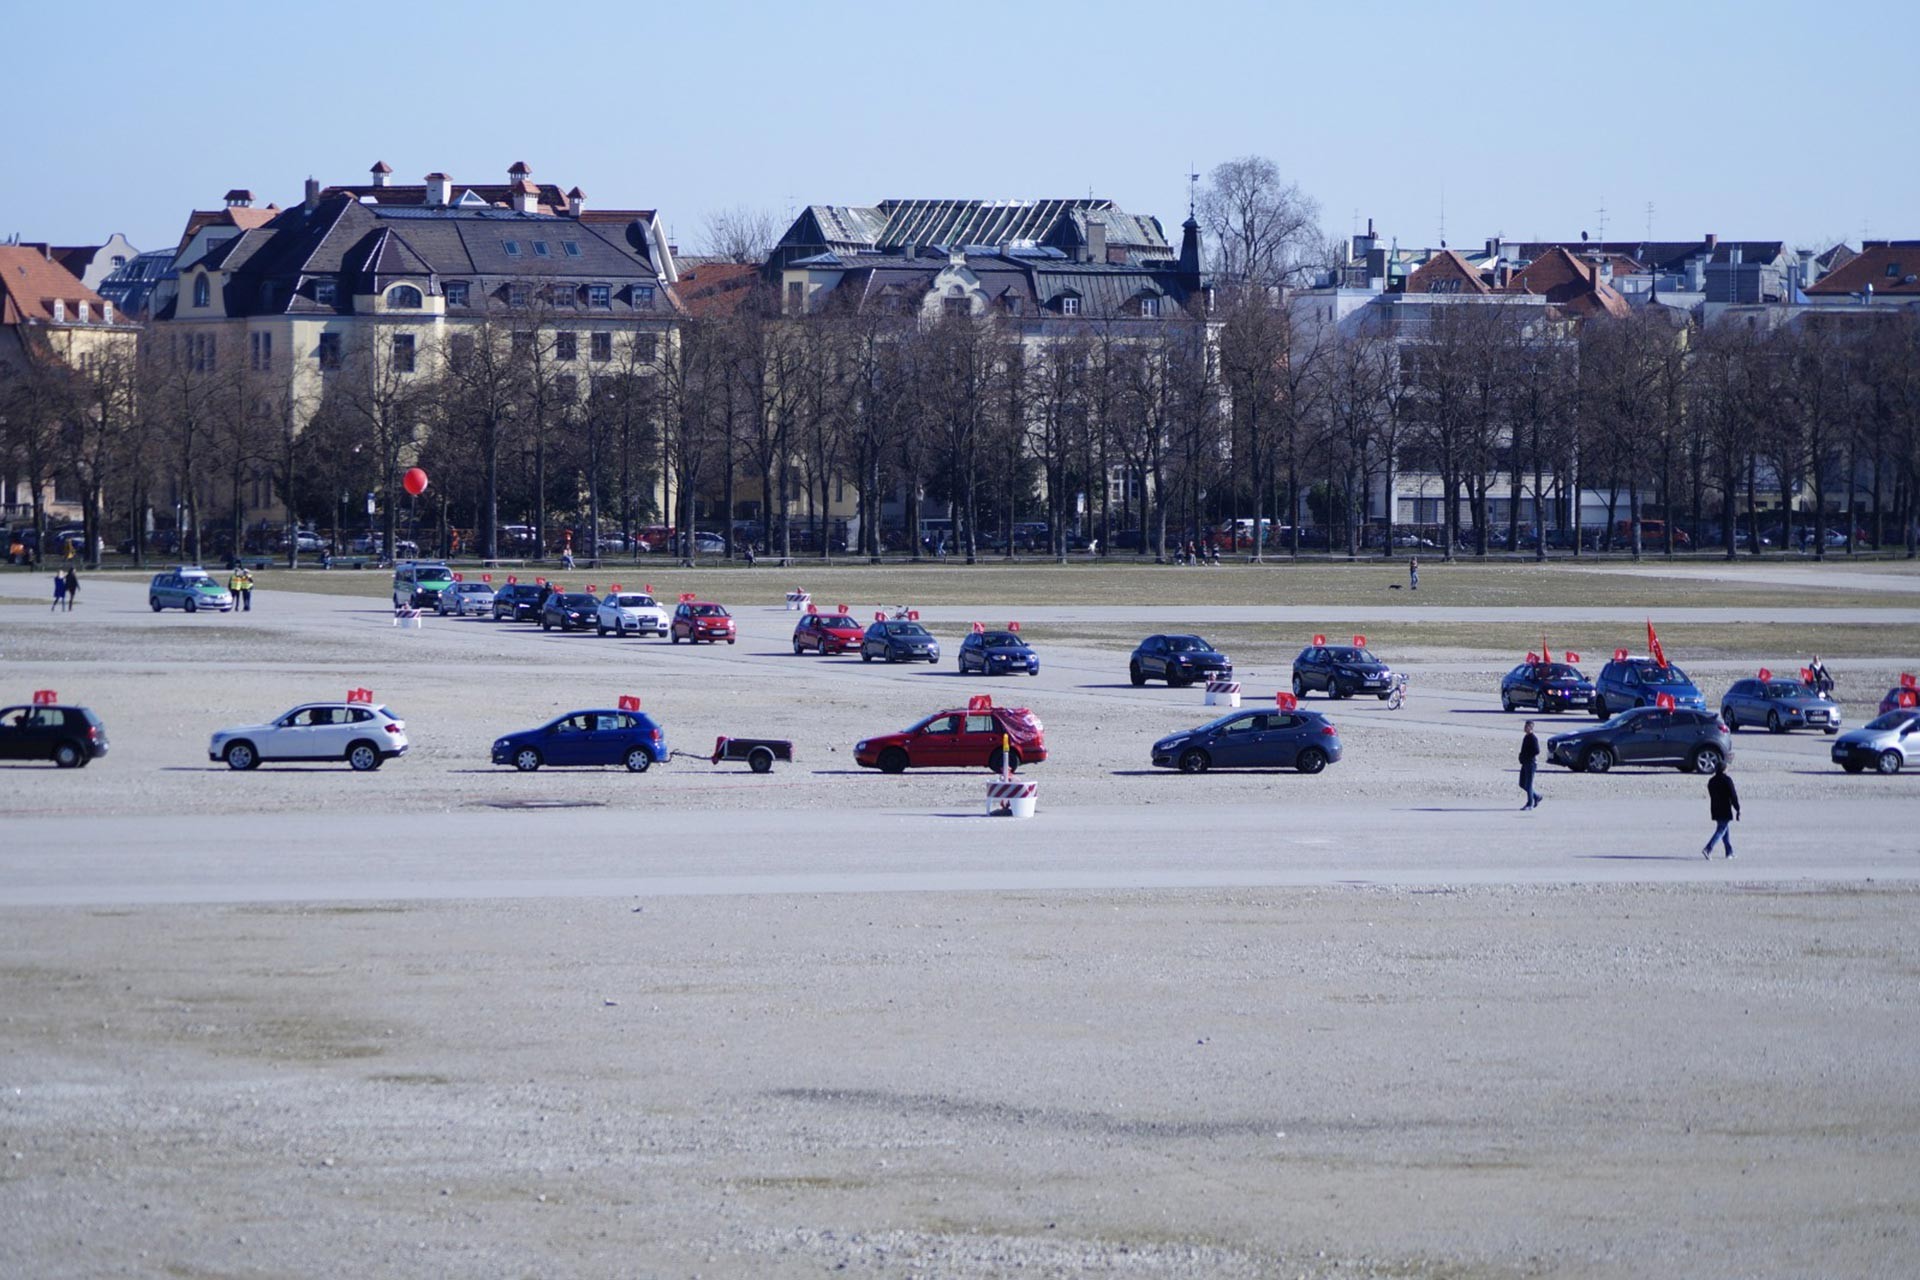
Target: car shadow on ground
{"points": [[1487, 711], [1271, 771], [1640, 857], [1496, 808], [317, 769]]}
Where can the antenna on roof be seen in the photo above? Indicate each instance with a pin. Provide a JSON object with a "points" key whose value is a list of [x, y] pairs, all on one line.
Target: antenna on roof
{"points": [[1443, 214], [1649, 219], [1601, 217], [1193, 191]]}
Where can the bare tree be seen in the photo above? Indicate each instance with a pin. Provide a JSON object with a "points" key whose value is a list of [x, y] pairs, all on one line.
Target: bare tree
{"points": [[1264, 229], [741, 234]]}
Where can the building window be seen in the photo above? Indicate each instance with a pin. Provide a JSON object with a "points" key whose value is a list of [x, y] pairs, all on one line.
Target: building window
{"points": [[456, 293], [566, 346], [572, 247], [1150, 308], [201, 356], [646, 347], [796, 297], [323, 292], [1069, 306], [600, 297], [564, 295], [601, 347], [403, 353], [260, 351], [460, 351], [329, 351], [405, 296], [203, 292], [540, 249], [1893, 273], [512, 247], [516, 295], [568, 386], [522, 342], [956, 306], [643, 297]]}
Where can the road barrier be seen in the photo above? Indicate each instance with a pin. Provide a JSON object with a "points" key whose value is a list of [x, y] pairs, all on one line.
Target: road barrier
{"points": [[1012, 799], [1223, 693]]}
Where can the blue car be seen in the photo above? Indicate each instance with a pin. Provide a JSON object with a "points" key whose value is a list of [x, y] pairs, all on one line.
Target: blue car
{"points": [[1303, 740], [899, 642], [582, 738], [1626, 683], [997, 653]]}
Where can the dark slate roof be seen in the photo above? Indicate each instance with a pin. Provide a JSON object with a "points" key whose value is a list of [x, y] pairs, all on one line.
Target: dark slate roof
{"points": [[1660, 255], [1030, 284], [979, 226]]}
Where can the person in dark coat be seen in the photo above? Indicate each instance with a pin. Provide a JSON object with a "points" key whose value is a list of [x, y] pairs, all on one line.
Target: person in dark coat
{"points": [[1529, 761], [1724, 801], [73, 588]]}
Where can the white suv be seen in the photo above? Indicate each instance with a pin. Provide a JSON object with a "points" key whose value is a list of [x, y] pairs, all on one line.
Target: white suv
{"points": [[363, 735], [624, 612]]}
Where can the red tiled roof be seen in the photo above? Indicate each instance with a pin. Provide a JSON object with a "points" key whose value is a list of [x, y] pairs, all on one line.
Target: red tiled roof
{"points": [[1890, 266], [30, 284], [235, 216], [1566, 281], [717, 289], [1435, 275]]}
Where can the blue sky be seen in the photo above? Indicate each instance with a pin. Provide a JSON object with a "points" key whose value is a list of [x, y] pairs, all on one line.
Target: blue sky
{"points": [[1762, 119]]}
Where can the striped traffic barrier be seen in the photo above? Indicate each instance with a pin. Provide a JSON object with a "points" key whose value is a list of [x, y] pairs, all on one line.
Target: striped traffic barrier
{"points": [[1223, 693], [798, 600], [1006, 799]]}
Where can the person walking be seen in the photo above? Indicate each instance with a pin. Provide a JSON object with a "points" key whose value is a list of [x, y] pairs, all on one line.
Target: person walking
{"points": [[1723, 800], [1529, 761], [59, 592], [73, 587], [1413, 573]]}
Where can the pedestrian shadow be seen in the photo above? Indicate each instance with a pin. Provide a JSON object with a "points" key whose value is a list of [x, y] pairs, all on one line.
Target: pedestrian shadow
{"points": [[1639, 857], [1505, 808], [1486, 711]]}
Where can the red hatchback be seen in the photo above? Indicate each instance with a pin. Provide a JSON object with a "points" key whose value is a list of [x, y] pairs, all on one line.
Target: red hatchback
{"points": [[826, 633], [697, 620], [967, 737]]}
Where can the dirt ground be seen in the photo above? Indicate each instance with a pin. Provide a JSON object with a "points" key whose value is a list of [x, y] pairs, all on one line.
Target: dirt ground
{"points": [[445, 1019]]}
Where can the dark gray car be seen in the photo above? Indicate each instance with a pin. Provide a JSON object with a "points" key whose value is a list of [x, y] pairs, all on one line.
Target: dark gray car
{"points": [[1780, 705], [1684, 738]]}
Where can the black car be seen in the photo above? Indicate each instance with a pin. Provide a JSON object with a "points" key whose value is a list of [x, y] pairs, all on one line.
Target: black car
{"points": [[519, 602], [1303, 740], [68, 736], [899, 642], [1685, 738], [1179, 660], [570, 610], [1547, 686], [1341, 671]]}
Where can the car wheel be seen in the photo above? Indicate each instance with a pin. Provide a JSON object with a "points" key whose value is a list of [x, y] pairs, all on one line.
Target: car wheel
{"points": [[1773, 723], [1597, 760], [153, 602], [1506, 703], [730, 639], [1299, 687], [1136, 675], [1194, 760], [1853, 766], [1733, 723], [1010, 761], [1175, 681], [601, 629], [1704, 759], [893, 760], [1334, 690], [526, 759], [1889, 761], [639, 760], [865, 656], [364, 757], [760, 760], [192, 606], [674, 637], [545, 625], [68, 756], [240, 756], [1312, 760], [1599, 709], [797, 650]]}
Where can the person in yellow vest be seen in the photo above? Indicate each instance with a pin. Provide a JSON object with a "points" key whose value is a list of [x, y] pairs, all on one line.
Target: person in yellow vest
{"points": [[243, 594]]}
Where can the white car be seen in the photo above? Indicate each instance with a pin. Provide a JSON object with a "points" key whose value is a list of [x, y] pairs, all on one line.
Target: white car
{"points": [[463, 598], [363, 735], [631, 612]]}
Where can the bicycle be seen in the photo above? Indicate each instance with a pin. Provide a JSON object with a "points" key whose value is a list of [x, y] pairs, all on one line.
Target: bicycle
{"points": [[1397, 696]]}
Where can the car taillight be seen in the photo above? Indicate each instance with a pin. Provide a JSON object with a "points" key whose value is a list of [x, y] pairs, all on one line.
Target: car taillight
{"points": [[1328, 731], [93, 734], [654, 734], [392, 728], [1720, 725]]}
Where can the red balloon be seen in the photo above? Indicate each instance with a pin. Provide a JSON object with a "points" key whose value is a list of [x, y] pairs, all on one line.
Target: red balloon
{"points": [[415, 481]]}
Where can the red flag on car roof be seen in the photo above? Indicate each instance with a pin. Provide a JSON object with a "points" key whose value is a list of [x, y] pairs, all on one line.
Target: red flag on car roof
{"points": [[1653, 646], [1546, 654]]}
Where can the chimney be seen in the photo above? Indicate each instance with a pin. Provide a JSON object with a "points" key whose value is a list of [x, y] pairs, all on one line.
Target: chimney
{"points": [[956, 256], [526, 197], [106, 313], [381, 171], [909, 251], [313, 195], [1713, 242], [439, 189], [1096, 240], [239, 198], [577, 201], [518, 172]]}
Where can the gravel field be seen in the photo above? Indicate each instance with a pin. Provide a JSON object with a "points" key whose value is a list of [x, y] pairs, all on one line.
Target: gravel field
{"points": [[444, 1019]]}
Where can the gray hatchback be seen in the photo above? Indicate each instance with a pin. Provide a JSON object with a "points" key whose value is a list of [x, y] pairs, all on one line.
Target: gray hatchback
{"points": [[1684, 738], [1780, 705]]}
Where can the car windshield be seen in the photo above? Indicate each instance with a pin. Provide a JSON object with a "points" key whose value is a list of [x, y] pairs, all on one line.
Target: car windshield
{"points": [[905, 629], [709, 611], [573, 601], [999, 639], [1662, 675], [1894, 720], [430, 576], [1784, 689], [1352, 655], [1625, 718], [470, 588], [1556, 671], [1187, 644], [635, 602]]}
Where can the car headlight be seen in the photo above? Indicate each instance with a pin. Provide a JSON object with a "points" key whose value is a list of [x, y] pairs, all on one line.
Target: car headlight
{"points": [[860, 746]]}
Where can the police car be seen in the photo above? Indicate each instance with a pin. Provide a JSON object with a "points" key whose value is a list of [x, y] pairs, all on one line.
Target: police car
{"points": [[187, 587]]}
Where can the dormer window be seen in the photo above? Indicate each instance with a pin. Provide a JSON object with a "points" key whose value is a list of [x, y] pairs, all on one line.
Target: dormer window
{"points": [[643, 297], [600, 297], [60, 309], [323, 292], [1150, 308], [404, 297], [1069, 306], [202, 292], [1893, 271], [456, 293]]}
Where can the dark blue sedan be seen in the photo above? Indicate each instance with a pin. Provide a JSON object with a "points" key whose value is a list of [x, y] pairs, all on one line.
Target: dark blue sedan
{"points": [[997, 653], [1549, 686], [586, 738], [1303, 740]]}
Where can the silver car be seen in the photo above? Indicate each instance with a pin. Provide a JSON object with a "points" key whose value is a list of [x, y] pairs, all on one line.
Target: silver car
{"points": [[1780, 705], [1886, 744], [463, 598]]}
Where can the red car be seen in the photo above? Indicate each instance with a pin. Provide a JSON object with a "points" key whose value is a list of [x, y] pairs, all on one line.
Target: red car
{"points": [[826, 633], [1899, 698], [967, 737], [697, 620]]}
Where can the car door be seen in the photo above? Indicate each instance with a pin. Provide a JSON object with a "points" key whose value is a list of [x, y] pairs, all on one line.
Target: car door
{"points": [[1153, 659], [16, 733], [937, 743], [1645, 741], [567, 741], [291, 737], [1234, 744], [1748, 702], [980, 735], [1277, 743]]}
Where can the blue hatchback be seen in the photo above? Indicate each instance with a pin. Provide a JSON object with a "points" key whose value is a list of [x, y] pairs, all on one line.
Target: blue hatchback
{"points": [[586, 738], [1303, 740]]}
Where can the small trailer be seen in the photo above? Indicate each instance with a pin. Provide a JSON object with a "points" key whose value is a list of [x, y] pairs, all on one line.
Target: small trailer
{"points": [[759, 753]]}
